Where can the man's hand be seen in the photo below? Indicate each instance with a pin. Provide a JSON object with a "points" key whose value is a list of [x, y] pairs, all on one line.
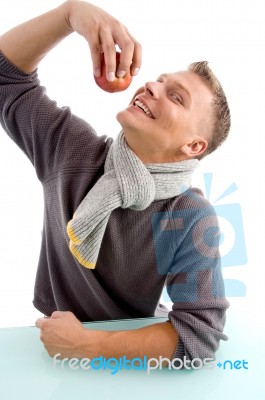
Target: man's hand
{"points": [[63, 333], [26, 44], [102, 33]]}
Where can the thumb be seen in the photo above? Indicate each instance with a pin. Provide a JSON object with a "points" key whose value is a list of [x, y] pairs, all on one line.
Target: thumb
{"points": [[58, 314]]}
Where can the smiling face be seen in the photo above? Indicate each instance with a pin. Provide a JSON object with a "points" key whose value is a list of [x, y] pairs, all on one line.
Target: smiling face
{"points": [[162, 123]]}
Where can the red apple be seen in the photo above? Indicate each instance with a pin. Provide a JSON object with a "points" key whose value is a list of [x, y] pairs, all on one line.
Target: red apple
{"points": [[118, 84]]}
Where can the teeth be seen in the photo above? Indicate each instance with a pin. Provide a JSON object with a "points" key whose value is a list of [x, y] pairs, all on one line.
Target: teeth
{"points": [[138, 103]]}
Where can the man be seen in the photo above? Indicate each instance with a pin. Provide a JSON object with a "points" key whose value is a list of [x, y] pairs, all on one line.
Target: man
{"points": [[124, 209]]}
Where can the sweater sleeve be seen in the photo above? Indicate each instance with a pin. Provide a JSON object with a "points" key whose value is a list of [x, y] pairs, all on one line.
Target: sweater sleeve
{"points": [[194, 283], [51, 137]]}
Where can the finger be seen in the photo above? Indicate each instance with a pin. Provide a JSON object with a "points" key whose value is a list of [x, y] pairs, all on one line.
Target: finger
{"points": [[136, 59], [131, 50], [127, 49], [58, 314], [95, 50], [110, 61], [109, 50], [40, 322]]}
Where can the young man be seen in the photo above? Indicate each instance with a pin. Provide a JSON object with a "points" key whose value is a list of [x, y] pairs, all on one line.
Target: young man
{"points": [[121, 220]]}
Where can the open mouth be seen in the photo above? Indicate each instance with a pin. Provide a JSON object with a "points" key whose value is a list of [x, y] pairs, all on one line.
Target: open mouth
{"points": [[138, 103]]}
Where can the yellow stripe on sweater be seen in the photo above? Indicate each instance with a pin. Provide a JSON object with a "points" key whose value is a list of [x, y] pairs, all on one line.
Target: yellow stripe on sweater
{"points": [[72, 235], [81, 259]]}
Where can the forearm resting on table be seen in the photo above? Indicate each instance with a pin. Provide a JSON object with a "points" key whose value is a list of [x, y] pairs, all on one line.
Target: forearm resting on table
{"points": [[152, 341], [65, 335]]}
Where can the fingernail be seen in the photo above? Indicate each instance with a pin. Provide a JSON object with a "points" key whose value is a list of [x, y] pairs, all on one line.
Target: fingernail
{"points": [[110, 76], [135, 71], [97, 72], [121, 74]]}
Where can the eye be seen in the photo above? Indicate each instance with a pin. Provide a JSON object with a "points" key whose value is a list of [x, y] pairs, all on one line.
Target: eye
{"points": [[177, 97]]}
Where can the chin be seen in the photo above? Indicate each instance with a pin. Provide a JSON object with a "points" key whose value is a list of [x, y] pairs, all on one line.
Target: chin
{"points": [[119, 116], [125, 119]]}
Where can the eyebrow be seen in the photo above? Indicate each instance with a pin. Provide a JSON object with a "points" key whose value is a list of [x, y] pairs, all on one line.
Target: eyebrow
{"points": [[178, 85]]}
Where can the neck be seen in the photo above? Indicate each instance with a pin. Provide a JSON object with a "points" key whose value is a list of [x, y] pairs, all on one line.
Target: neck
{"points": [[156, 157]]}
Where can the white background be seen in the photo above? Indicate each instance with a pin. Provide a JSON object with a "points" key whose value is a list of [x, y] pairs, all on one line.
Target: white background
{"points": [[230, 35]]}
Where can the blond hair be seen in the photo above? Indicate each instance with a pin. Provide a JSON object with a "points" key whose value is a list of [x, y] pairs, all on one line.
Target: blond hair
{"points": [[218, 128]]}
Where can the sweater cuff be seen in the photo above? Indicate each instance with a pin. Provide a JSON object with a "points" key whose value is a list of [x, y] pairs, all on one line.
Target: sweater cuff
{"points": [[11, 69], [179, 351]]}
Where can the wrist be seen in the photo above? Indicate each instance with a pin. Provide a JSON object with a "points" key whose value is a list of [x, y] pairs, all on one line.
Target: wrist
{"points": [[68, 9], [95, 343]]}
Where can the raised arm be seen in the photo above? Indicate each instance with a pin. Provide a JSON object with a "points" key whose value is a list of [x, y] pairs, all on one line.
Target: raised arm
{"points": [[35, 123], [26, 44]]}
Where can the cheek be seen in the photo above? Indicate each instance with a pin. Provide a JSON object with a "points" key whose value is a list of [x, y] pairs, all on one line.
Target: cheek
{"points": [[171, 121], [179, 122], [176, 129]]}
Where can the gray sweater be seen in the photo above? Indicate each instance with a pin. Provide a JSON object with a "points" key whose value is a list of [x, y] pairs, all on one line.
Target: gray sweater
{"points": [[141, 252]]}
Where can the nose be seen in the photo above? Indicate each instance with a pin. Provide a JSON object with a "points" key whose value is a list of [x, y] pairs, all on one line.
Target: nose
{"points": [[151, 89]]}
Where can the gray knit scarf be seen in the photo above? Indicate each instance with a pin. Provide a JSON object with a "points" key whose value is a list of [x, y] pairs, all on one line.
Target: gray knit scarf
{"points": [[126, 183]]}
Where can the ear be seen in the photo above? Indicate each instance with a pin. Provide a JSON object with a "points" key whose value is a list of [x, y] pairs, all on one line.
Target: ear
{"points": [[194, 148]]}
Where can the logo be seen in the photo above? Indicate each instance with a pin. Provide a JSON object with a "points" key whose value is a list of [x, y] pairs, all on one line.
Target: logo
{"points": [[197, 239], [233, 365], [117, 364]]}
